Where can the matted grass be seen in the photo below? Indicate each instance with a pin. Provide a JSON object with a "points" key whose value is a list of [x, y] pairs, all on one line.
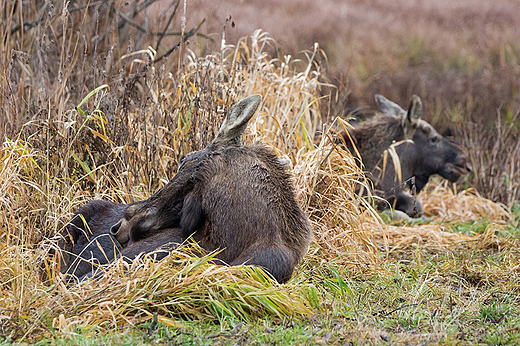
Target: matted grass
{"points": [[446, 204], [448, 215], [181, 286]]}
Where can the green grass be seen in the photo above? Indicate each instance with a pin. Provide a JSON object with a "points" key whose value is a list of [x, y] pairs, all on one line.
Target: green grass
{"points": [[510, 231], [451, 298]]}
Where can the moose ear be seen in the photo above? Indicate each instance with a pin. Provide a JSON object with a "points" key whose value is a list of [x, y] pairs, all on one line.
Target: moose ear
{"points": [[413, 116], [388, 107], [192, 215], [237, 118]]}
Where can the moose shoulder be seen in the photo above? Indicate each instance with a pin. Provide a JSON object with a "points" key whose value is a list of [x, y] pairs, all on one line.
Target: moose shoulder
{"points": [[420, 149]]}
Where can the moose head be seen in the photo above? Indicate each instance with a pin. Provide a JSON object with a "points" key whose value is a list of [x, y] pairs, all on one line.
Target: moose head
{"points": [[420, 149]]}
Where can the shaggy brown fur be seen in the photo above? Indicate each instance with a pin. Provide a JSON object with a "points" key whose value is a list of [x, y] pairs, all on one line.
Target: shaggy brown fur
{"points": [[236, 198]]}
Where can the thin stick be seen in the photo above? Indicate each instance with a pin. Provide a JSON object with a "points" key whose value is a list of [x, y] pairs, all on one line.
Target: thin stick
{"points": [[167, 25], [185, 37]]}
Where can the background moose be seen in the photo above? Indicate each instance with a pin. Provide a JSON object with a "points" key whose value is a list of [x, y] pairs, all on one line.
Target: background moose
{"points": [[420, 149]]}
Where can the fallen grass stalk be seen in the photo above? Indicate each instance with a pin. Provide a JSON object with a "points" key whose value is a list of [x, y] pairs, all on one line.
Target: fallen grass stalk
{"points": [[180, 286], [446, 204]]}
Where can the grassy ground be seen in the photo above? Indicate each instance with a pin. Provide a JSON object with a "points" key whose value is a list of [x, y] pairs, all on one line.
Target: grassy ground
{"points": [[100, 100], [463, 295]]}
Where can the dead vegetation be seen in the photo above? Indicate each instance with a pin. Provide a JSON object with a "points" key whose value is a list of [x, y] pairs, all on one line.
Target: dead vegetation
{"points": [[444, 203], [90, 111]]}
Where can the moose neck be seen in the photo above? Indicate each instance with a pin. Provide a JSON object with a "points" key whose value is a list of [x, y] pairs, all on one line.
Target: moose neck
{"points": [[375, 136]]}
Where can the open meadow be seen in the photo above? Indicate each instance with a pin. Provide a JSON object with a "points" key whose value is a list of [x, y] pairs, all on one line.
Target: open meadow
{"points": [[101, 99]]}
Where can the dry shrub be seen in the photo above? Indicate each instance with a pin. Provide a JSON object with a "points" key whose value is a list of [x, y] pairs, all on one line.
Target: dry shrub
{"points": [[494, 155], [67, 89], [441, 203]]}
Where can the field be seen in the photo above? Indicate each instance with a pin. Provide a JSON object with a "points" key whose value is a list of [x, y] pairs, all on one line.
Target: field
{"points": [[99, 100]]}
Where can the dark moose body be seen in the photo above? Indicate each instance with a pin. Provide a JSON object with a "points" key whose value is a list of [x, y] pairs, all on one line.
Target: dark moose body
{"points": [[421, 150], [87, 243], [229, 197]]}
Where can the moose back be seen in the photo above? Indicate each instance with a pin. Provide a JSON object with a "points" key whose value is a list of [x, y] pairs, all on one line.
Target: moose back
{"points": [[234, 198]]}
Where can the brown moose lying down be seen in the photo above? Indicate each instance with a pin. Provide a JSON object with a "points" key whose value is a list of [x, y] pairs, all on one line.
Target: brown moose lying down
{"points": [[231, 197], [422, 152]]}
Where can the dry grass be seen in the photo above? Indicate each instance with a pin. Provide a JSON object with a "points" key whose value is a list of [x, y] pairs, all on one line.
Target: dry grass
{"points": [[444, 204], [108, 120], [121, 141], [182, 286], [344, 224], [444, 207], [435, 237]]}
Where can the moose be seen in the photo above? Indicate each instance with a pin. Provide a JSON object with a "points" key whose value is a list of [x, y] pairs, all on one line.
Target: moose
{"points": [[229, 197], [420, 149], [86, 242]]}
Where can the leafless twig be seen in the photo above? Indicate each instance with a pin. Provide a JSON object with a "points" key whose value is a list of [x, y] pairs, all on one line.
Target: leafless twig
{"points": [[184, 38], [167, 25]]}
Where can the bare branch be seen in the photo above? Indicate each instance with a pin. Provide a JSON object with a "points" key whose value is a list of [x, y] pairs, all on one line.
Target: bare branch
{"points": [[184, 38]]}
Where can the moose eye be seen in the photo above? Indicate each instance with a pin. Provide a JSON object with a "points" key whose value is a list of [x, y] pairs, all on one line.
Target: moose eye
{"points": [[434, 139], [181, 162]]}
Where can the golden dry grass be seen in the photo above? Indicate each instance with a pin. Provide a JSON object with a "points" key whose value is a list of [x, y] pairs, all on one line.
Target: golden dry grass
{"points": [[444, 203], [181, 286], [444, 207], [328, 179], [37, 203]]}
